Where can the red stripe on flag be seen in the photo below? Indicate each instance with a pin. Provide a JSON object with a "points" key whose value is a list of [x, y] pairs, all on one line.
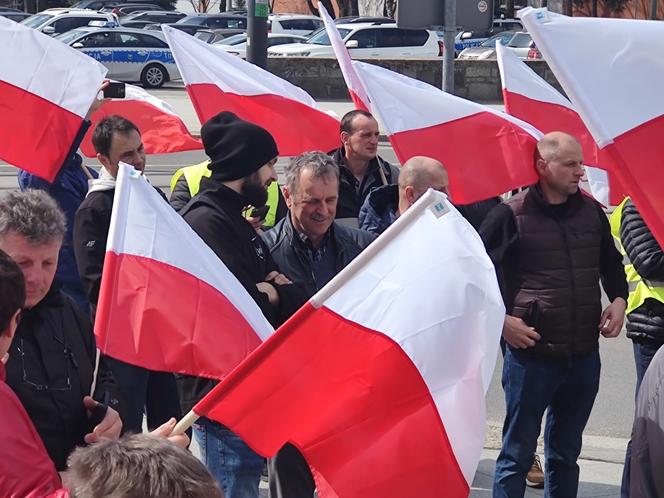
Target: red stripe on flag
{"points": [[37, 134], [359, 104], [504, 162], [296, 127], [353, 402], [157, 316]]}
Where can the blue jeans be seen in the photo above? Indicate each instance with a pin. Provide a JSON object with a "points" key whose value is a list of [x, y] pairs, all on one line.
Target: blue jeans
{"points": [[643, 354], [235, 466], [532, 383]]}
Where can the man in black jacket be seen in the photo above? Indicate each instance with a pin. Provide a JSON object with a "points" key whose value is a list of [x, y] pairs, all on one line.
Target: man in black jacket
{"points": [[551, 245], [116, 139], [51, 362], [242, 156], [361, 169], [311, 248]]}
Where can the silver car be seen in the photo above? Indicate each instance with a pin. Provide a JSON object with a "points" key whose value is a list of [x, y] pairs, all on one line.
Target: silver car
{"points": [[129, 54], [487, 49]]}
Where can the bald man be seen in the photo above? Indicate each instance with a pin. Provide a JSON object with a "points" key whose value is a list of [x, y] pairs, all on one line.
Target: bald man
{"points": [[418, 174], [551, 245]]}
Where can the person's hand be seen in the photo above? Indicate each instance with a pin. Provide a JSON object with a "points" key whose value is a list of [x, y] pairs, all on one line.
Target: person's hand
{"points": [[256, 223], [165, 430], [611, 322], [109, 428], [97, 103], [271, 292], [519, 335], [277, 278]]}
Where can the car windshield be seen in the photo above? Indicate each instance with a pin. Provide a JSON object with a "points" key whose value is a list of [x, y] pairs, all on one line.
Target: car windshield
{"points": [[70, 36], [320, 37], [502, 37], [233, 40], [199, 20], [36, 20], [520, 40]]}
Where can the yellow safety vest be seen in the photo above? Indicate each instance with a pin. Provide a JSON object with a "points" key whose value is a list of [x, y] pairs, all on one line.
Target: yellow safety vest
{"points": [[640, 289], [194, 174]]}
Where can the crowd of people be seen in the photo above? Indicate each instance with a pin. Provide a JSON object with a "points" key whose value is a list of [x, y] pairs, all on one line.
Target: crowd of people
{"points": [[74, 418]]}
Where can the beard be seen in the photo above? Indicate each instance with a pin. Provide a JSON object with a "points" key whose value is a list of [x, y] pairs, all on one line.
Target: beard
{"points": [[253, 191]]}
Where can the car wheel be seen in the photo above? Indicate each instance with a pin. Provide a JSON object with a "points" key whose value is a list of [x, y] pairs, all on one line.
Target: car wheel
{"points": [[153, 76]]}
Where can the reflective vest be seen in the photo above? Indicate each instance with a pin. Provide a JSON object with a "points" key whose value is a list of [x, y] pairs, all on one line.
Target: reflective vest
{"points": [[194, 174], [640, 289]]}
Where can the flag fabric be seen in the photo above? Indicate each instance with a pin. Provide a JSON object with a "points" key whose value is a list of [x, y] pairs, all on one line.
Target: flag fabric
{"points": [[217, 81], [162, 130], [355, 88], [486, 152], [46, 90], [608, 70], [380, 378], [167, 302], [531, 99]]}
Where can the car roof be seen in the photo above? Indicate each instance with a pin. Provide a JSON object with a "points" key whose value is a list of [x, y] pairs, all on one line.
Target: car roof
{"points": [[231, 16], [93, 29], [158, 12]]}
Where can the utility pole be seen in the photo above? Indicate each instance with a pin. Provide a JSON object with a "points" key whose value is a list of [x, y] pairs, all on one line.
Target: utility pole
{"points": [[257, 12], [449, 31], [653, 9]]}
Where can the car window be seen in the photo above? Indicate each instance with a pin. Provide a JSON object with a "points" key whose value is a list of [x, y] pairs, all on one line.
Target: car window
{"points": [[69, 23], [36, 20], [520, 40], [70, 36], [504, 38], [161, 18], [198, 20], [98, 40], [234, 40], [281, 40], [299, 24], [228, 22], [401, 37], [366, 38], [205, 36], [129, 40], [151, 41]]}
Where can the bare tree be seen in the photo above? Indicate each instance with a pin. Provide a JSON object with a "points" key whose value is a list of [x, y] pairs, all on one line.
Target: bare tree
{"points": [[203, 5]]}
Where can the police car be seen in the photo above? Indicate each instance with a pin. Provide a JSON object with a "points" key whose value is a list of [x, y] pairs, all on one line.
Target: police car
{"points": [[129, 54]]}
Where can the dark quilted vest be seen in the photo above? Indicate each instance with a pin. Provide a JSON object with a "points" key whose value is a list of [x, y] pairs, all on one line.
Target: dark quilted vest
{"points": [[553, 282]]}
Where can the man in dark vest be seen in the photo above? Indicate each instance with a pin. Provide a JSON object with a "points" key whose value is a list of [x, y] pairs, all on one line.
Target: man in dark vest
{"points": [[551, 245]]}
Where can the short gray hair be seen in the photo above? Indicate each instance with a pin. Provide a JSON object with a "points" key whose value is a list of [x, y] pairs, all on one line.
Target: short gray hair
{"points": [[33, 214], [319, 163]]}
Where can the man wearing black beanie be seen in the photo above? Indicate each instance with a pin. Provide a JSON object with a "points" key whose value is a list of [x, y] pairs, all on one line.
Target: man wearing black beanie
{"points": [[242, 157]]}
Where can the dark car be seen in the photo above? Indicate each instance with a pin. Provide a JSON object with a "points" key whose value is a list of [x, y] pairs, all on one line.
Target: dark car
{"points": [[215, 21], [141, 19], [125, 9], [93, 4], [215, 35], [14, 15]]}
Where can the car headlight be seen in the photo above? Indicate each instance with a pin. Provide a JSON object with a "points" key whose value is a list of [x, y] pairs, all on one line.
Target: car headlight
{"points": [[486, 55]]}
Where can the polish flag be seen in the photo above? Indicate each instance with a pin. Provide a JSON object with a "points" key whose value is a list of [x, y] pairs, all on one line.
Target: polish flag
{"points": [[607, 69], [357, 92], [162, 130], [531, 99], [486, 152], [218, 81], [167, 302], [380, 378], [46, 89]]}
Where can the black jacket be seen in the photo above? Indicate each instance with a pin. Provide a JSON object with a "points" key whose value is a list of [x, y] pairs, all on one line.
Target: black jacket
{"points": [[50, 368], [215, 215], [351, 193], [290, 254], [647, 321]]}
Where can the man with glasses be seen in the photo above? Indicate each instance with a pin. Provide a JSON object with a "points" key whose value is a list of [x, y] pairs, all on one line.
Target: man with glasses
{"points": [[51, 361]]}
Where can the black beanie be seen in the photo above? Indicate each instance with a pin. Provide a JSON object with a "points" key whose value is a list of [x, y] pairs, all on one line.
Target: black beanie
{"points": [[236, 147]]}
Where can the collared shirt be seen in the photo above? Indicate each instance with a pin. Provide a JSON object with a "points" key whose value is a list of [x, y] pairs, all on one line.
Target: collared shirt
{"points": [[322, 259]]}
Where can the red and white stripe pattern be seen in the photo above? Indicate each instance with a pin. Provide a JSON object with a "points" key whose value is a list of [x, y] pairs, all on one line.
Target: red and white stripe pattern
{"points": [[357, 92], [380, 379], [607, 69], [162, 130], [218, 81], [167, 302], [46, 89], [486, 152]]}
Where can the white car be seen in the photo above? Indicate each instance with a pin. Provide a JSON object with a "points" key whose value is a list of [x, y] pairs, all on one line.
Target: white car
{"points": [[366, 41], [520, 44], [237, 44], [57, 21], [294, 24], [129, 54]]}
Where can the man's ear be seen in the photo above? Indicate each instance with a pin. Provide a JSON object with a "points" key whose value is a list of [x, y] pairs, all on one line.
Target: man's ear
{"points": [[287, 196], [411, 195], [13, 323], [105, 161], [345, 136], [540, 166]]}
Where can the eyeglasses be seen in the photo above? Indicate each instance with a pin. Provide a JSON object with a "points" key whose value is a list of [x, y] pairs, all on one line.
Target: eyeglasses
{"points": [[69, 356]]}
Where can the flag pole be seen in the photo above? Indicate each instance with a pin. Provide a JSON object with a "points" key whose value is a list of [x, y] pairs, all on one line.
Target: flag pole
{"points": [[185, 423]]}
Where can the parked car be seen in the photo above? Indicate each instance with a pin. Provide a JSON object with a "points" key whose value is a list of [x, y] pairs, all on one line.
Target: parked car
{"points": [[57, 21], [126, 9], [14, 14], [295, 24], [487, 49], [363, 19], [468, 39], [214, 21], [139, 20], [216, 35], [367, 40], [520, 44], [94, 4], [237, 45], [129, 54]]}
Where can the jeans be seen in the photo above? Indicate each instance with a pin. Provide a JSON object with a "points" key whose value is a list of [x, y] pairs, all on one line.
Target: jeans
{"points": [[532, 383], [145, 391], [643, 354], [235, 466]]}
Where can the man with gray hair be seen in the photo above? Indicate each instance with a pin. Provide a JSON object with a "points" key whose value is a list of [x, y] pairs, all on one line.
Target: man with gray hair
{"points": [[311, 248]]}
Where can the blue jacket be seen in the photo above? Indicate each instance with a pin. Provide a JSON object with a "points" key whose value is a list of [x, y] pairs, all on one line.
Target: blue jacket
{"points": [[379, 209]]}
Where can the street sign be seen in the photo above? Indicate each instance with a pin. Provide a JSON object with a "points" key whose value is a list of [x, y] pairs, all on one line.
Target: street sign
{"points": [[470, 14]]}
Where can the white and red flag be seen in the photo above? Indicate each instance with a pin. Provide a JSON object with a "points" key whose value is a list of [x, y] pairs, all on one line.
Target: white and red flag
{"points": [[380, 379], [162, 130], [608, 71], [217, 81], [486, 152], [46, 89], [355, 87], [167, 302], [531, 99]]}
